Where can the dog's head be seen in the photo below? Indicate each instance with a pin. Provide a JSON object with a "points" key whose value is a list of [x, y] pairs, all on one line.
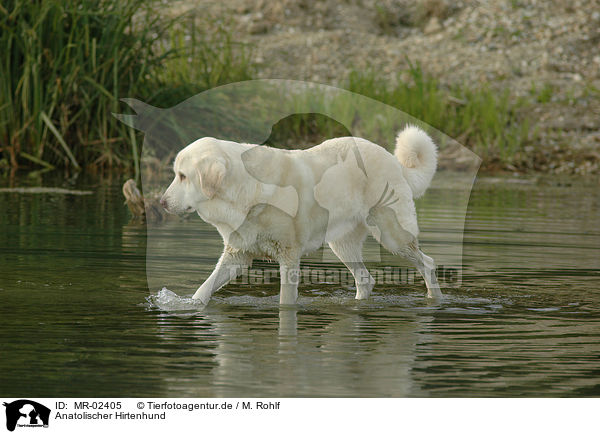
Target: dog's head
{"points": [[199, 172]]}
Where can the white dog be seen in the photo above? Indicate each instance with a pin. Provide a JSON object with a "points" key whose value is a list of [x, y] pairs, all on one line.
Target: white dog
{"points": [[279, 204]]}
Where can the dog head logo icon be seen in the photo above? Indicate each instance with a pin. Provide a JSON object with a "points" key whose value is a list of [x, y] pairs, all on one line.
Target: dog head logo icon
{"points": [[26, 413]]}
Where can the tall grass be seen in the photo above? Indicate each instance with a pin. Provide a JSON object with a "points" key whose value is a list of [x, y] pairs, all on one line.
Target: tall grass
{"points": [[493, 124], [65, 65], [200, 58]]}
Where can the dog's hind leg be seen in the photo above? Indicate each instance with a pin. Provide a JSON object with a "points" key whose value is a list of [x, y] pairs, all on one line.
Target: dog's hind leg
{"points": [[386, 229], [349, 250], [426, 266], [230, 265]]}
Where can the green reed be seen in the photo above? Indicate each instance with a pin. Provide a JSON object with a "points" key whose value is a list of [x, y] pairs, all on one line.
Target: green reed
{"points": [[65, 65]]}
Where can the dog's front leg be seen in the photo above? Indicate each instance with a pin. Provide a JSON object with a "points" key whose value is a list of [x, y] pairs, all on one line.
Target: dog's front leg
{"points": [[230, 265], [290, 278]]}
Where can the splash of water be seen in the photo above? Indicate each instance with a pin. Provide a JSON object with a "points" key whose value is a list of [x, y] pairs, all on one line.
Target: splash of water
{"points": [[169, 301]]}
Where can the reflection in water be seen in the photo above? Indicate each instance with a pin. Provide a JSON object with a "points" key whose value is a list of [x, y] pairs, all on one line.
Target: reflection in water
{"points": [[288, 321], [299, 351], [74, 319]]}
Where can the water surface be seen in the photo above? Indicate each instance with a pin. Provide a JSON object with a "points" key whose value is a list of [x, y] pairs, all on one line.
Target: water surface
{"points": [[77, 317]]}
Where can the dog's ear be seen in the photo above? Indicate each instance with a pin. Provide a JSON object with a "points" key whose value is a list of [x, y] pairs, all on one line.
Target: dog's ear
{"points": [[211, 172]]}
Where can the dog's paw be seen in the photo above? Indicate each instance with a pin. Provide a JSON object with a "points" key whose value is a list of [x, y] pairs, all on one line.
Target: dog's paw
{"points": [[361, 295], [201, 296], [363, 290]]}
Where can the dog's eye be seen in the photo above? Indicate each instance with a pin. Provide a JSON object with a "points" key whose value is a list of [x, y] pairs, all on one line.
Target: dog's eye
{"points": [[181, 176]]}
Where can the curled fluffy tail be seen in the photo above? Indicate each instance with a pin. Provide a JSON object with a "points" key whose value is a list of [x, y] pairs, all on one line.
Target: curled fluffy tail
{"points": [[418, 155]]}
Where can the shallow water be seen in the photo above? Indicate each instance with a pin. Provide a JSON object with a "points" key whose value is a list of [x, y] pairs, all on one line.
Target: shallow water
{"points": [[77, 318]]}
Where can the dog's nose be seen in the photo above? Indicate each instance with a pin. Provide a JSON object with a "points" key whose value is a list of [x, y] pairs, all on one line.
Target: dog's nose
{"points": [[163, 202]]}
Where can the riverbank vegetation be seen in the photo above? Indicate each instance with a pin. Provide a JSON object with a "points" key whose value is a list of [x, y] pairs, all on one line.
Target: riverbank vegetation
{"points": [[66, 65]]}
